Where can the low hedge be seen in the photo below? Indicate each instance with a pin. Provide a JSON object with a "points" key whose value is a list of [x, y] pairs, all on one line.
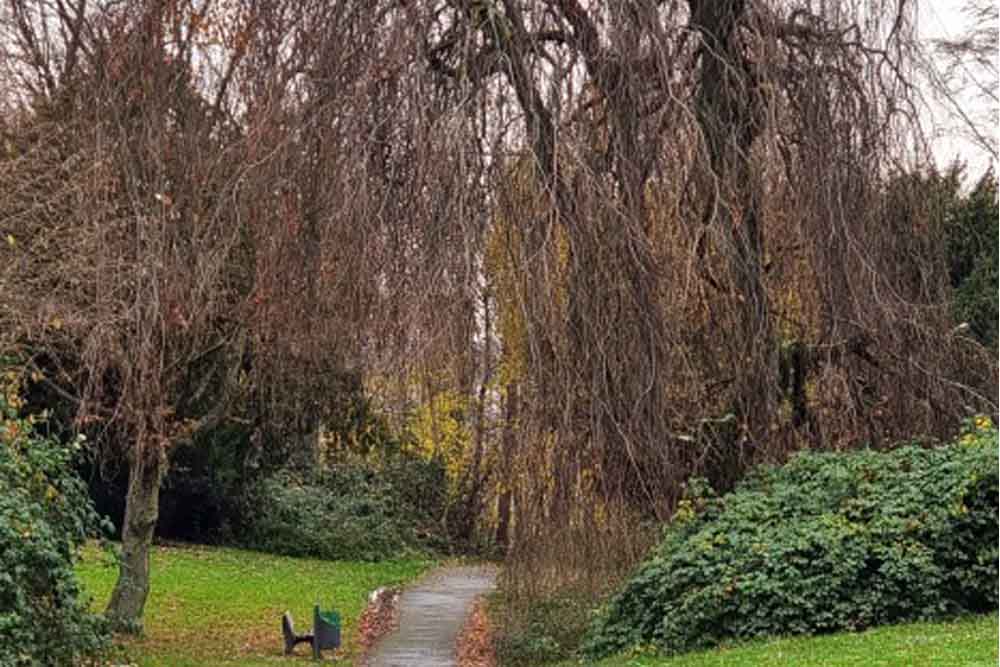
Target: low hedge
{"points": [[349, 512], [828, 542]]}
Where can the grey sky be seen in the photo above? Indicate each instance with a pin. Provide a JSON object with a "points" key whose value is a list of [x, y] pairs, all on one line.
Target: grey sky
{"points": [[945, 19]]}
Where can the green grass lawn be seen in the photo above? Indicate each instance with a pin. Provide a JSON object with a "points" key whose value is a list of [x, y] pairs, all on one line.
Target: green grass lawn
{"points": [[967, 643], [215, 606]]}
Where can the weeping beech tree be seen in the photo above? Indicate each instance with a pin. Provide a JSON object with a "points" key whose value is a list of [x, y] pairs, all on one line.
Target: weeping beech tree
{"points": [[695, 195], [366, 261]]}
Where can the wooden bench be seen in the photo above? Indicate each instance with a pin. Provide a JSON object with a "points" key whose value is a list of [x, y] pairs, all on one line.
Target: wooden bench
{"points": [[325, 634]]}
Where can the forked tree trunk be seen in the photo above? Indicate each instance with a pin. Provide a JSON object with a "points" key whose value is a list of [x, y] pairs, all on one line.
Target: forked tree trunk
{"points": [[142, 508]]}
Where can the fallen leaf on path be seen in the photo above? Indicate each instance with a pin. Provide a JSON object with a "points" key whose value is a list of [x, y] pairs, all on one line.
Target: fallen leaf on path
{"points": [[379, 618], [475, 643]]}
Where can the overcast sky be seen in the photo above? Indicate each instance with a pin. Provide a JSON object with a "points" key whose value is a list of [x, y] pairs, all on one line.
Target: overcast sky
{"points": [[945, 19]]}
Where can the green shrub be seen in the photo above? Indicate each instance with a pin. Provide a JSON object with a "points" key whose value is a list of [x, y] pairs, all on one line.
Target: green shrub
{"points": [[828, 542], [45, 516], [976, 298], [533, 647], [348, 512]]}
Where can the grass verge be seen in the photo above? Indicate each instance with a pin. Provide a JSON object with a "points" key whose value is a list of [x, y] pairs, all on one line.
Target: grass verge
{"points": [[970, 642], [222, 607]]}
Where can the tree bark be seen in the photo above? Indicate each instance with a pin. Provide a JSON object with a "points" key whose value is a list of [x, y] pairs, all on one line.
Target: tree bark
{"points": [[730, 113], [142, 508], [507, 464]]}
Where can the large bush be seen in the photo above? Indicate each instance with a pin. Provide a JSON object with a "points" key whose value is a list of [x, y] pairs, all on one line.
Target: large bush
{"points": [[828, 542], [348, 512], [45, 516]]}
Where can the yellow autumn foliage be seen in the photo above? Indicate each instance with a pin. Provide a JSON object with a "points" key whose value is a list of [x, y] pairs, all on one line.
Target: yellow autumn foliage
{"points": [[440, 432]]}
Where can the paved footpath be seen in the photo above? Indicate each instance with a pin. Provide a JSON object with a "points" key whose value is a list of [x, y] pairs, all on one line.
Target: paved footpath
{"points": [[431, 614]]}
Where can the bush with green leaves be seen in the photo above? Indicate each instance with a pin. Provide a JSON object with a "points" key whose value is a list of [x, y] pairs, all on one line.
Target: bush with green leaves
{"points": [[828, 542], [353, 511], [972, 252], [45, 516]]}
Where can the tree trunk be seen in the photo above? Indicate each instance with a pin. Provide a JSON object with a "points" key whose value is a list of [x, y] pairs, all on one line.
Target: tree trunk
{"points": [[730, 112], [142, 507], [472, 483], [507, 466]]}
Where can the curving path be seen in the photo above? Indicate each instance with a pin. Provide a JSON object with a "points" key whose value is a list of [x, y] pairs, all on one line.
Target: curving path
{"points": [[431, 614]]}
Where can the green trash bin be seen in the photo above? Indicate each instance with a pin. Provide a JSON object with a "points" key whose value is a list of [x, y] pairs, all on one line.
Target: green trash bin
{"points": [[326, 631]]}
